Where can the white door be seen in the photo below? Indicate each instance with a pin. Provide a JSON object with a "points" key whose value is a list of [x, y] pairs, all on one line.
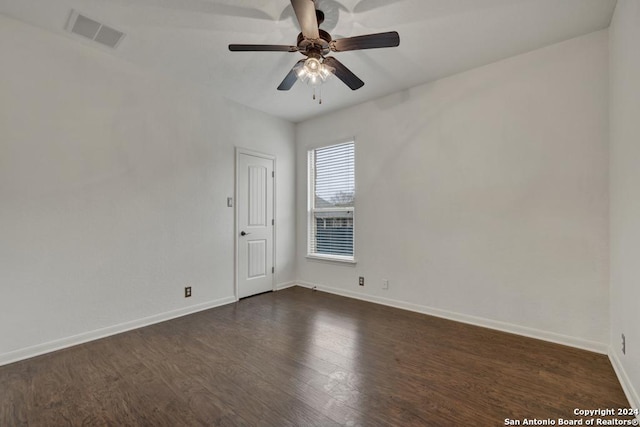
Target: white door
{"points": [[255, 223]]}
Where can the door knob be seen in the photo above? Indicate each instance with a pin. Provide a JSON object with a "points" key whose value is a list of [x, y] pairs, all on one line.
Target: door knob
{"points": [[242, 233]]}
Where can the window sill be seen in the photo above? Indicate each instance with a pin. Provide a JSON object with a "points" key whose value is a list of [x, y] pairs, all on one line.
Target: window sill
{"points": [[329, 258]]}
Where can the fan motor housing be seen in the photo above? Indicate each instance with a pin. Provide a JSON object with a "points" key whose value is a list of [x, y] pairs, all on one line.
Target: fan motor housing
{"points": [[321, 45]]}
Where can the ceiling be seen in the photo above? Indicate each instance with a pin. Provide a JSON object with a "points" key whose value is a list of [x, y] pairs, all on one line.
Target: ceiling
{"points": [[187, 39]]}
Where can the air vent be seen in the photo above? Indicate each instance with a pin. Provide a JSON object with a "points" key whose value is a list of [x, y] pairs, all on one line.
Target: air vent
{"points": [[93, 30]]}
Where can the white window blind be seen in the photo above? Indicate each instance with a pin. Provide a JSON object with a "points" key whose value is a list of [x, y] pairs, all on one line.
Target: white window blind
{"points": [[331, 201]]}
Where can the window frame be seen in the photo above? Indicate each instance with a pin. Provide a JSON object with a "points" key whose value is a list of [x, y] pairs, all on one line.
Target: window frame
{"points": [[312, 210]]}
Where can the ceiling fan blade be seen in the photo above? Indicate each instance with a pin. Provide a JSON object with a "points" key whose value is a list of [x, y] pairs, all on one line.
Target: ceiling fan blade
{"points": [[306, 13], [369, 41], [292, 77], [262, 48], [343, 73]]}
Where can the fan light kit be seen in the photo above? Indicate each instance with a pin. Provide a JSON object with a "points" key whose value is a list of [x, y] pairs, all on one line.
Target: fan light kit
{"points": [[314, 73], [315, 44]]}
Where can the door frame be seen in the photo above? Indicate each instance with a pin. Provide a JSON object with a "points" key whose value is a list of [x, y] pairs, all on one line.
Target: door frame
{"points": [[240, 151]]}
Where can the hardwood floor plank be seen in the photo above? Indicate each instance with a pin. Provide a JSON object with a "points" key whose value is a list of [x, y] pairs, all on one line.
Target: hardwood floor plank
{"points": [[14, 396]]}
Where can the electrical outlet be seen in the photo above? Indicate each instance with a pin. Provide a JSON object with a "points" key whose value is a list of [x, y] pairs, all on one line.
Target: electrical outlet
{"points": [[385, 284], [187, 291], [361, 281], [624, 344]]}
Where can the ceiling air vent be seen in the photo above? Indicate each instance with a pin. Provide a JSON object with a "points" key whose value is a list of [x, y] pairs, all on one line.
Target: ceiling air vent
{"points": [[94, 30]]}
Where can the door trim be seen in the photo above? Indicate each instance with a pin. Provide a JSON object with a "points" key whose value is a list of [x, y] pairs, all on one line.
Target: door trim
{"points": [[239, 151]]}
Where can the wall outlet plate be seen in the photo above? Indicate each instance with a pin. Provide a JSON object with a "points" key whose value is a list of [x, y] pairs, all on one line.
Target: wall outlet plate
{"points": [[385, 284], [361, 281], [187, 291]]}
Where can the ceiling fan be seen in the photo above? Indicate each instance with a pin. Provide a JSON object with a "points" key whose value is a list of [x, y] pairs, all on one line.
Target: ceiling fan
{"points": [[316, 44]]}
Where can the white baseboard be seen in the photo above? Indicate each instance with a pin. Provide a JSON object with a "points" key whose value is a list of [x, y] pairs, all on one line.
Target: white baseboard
{"points": [[37, 350], [627, 386], [28, 352], [285, 285], [583, 344]]}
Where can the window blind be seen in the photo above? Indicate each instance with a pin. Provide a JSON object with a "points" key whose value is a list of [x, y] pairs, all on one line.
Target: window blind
{"points": [[332, 197]]}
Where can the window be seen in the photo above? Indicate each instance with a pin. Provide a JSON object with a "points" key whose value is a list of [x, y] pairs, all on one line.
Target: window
{"points": [[331, 202]]}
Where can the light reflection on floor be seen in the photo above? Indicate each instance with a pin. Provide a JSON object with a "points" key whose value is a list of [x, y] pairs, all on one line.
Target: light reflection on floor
{"points": [[334, 338]]}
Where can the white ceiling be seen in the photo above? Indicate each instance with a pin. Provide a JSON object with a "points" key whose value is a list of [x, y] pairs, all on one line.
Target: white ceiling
{"points": [[188, 40]]}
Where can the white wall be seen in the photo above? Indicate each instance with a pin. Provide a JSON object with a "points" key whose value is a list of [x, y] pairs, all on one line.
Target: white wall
{"points": [[113, 187], [625, 193], [483, 196]]}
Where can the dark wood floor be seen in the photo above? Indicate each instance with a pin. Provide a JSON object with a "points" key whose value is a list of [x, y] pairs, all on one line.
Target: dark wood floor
{"points": [[302, 358]]}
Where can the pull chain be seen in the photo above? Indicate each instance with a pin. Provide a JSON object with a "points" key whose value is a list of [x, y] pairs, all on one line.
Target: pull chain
{"points": [[317, 95]]}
